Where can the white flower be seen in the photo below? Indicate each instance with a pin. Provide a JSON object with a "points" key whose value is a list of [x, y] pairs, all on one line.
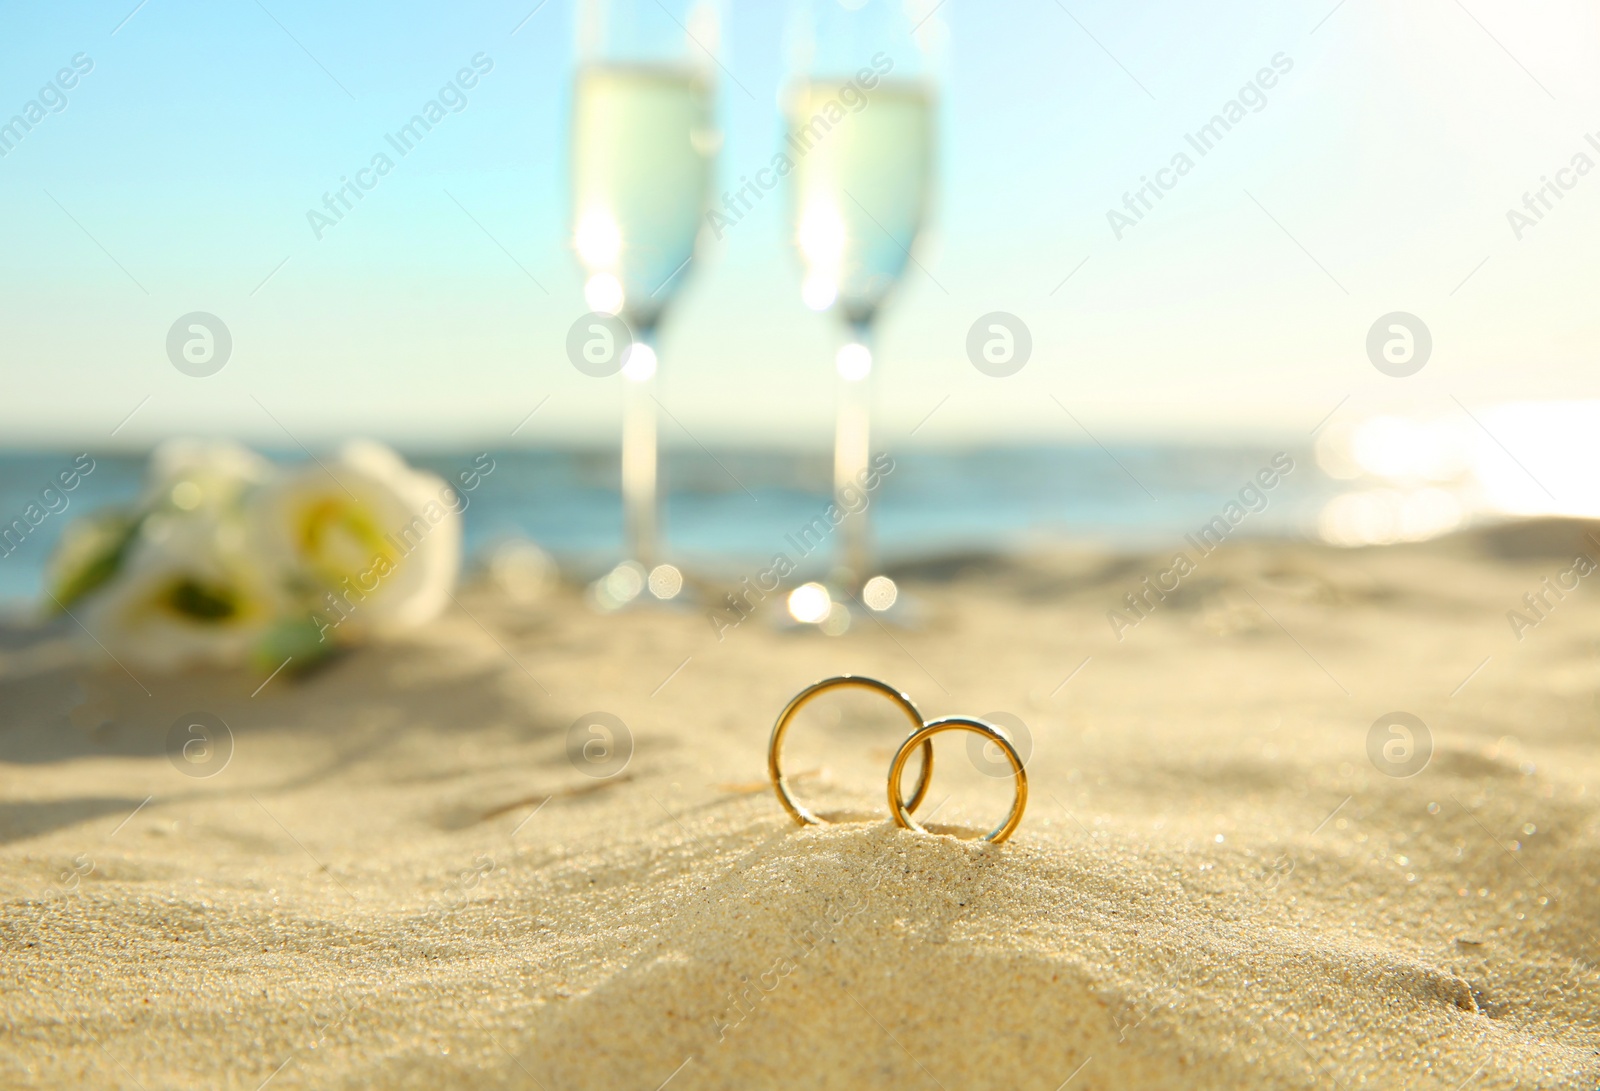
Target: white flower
{"points": [[206, 477], [202, 474], [189, 594], [373, 544]]}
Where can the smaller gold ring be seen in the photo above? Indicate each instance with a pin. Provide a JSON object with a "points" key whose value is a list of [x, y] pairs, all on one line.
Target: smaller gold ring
{"points": [[902, 810], [857, 681]]}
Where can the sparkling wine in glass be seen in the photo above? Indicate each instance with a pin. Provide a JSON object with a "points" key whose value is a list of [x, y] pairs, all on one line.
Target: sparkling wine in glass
{"points": [[643, 151], [862, 135]]}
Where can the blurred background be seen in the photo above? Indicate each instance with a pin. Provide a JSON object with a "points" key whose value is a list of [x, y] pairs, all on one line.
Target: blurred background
{"points": [[1431, 160]]}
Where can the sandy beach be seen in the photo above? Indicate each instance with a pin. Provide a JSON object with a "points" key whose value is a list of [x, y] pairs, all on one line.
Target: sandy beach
{"points": [[402, 879]]}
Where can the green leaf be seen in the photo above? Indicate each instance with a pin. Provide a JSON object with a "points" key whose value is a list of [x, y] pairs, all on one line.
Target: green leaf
{"points": [[91, 552], [297, 638]]}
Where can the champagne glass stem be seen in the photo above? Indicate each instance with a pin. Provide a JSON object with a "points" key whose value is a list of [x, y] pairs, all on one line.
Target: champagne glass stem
{"points": [[851, 452], [639, 505]]}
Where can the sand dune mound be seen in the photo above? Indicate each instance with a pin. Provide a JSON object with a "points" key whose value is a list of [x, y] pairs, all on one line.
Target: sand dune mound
{"points": [[403, 878]]}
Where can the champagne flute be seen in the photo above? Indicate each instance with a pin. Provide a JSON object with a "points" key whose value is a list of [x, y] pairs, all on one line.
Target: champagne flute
{"points": [[862, 132], [643, 148]]}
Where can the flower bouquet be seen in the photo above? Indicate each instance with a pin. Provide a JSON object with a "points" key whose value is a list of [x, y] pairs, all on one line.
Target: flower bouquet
{"points": [[227, 558]]}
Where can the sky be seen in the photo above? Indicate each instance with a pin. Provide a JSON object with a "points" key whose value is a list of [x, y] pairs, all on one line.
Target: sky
{"points": [[1375, 176]]}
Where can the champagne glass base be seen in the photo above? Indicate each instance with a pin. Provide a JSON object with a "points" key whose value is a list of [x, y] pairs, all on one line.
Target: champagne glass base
{"points": [[880, 599], [631, 585], [838, 606]]}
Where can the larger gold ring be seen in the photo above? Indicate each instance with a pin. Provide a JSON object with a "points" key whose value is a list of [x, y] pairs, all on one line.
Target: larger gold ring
{"points": [[857, 681], [902, 809]]}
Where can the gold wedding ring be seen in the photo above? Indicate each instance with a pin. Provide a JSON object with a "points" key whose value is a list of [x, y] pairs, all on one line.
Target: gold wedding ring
{"points": [[853, 681], [901, 809]]}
